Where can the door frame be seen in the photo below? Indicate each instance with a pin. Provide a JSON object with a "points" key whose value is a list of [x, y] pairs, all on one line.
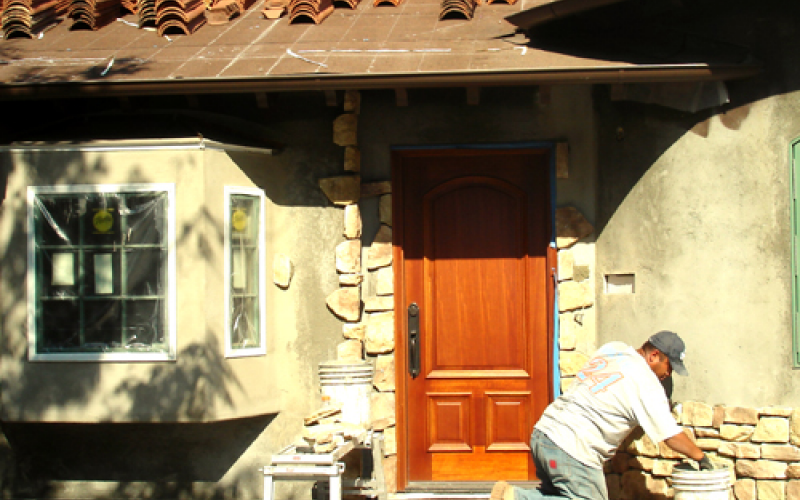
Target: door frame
{"points": [[400, 323]]}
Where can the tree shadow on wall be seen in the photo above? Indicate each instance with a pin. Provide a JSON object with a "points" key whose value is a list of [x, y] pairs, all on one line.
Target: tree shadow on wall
{"points": [[161, 455]]}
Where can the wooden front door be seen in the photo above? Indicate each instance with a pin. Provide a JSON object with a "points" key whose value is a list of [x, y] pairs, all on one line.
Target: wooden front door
{"points": [[472, 233]]}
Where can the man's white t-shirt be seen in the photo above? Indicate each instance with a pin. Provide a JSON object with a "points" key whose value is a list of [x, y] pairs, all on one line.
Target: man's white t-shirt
{"points": [[611, 395]]}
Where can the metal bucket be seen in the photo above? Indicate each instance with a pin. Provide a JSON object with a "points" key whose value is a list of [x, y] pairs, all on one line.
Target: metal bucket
{"points": [[690, 484], [348, 383]]}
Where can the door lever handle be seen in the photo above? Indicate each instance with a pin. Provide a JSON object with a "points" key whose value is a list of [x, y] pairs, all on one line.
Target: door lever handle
{"points": [[413, 340]]}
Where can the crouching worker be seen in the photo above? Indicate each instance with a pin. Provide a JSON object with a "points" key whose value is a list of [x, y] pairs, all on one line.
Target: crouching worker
{"points": [[618, 389]]}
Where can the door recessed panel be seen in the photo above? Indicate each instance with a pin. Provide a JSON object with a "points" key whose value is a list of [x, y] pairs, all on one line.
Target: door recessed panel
{"points": [[449, 422], [508, 422], [474, 248]]}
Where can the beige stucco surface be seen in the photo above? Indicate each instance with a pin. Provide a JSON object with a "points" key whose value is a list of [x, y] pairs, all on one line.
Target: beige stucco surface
{"points": [[705, 228], [200, 384]]}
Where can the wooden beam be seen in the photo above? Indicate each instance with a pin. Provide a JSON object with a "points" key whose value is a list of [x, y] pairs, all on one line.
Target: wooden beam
{"points": [[543, 95], [330, 98], [473, 96], [262, 100], [401, 96], [124, 102]]}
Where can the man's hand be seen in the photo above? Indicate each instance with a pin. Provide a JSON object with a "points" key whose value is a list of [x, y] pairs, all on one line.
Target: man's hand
{"points": [[705, 463]]}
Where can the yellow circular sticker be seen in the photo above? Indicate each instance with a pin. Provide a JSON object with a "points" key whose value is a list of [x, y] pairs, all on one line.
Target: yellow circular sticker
{"points": [[103, 220], [239, 219]]}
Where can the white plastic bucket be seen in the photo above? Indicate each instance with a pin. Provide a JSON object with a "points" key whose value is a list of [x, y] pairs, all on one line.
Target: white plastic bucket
{"points": [[348, 383], [691, 484]]}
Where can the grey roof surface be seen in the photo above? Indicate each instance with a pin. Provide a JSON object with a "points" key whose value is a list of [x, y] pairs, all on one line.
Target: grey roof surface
{"points": [[398, 43]]}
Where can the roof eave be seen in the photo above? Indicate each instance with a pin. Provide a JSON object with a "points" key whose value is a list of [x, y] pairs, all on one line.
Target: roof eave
{"points": [[321, 82]]}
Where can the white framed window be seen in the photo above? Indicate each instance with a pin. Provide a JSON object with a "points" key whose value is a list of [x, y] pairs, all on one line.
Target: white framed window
{"points": [[101, 272], [245, 272]]}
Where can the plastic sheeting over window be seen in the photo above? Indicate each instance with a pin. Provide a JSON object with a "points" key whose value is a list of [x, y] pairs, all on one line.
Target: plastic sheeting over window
{"points": [[101, 271], [244, 249]]}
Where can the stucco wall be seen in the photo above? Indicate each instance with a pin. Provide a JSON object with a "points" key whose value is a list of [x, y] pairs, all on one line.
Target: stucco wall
{"points": [[698, 208]]}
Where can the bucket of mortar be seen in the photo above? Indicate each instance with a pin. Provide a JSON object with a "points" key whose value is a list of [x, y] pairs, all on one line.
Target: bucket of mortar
{"points": [[349, 383], [690, 484]]}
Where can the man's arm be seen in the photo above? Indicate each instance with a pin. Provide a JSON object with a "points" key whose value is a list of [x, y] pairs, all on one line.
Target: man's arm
{"points": [[681, 443]]}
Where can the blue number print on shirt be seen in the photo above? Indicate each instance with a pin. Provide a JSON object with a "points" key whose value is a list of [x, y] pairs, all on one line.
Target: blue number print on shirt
{"points": [[595, 374]]}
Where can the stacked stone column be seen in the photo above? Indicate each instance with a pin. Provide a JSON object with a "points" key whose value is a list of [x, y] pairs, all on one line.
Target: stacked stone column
{"points": [[576, 335], [368, 335]]}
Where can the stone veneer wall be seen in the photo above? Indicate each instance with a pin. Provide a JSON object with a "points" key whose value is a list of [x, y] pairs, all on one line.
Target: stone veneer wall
{"points": [[368, 331], [761, 446]]}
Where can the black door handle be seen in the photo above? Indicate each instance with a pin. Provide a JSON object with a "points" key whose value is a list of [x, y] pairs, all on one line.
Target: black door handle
{"points": [[413, 340]]}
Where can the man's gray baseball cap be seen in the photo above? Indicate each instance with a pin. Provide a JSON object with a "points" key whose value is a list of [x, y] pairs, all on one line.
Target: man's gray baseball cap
{"points": [[673, 348]]}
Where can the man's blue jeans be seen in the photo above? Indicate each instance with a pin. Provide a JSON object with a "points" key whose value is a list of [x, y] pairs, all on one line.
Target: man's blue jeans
{"points": [[561, 475]]}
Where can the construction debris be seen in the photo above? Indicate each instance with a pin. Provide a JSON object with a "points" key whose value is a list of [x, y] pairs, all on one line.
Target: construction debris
{"points": [[322, 413]]}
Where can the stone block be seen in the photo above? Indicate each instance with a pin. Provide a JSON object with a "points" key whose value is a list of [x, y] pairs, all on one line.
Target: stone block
{"points": [[643, 446], [385, 209], [639, 463], [706, 432], [379, 303], [384, 378], [352, 222], [353, 279], [384, 281], [658, 488], [380, 252], [354, 330], [718, 417], [663, 468], [346, 303], [793, 490], [771, 430], [390, 474], [793, 471], [379, 335], [573, 295], [738, 433], [770, 490], [567, 339], [614, 486], [350, 350], [370, 189], [745, 489], [352, 101], [697, 414], [783, 452], [566, 263], [740, 415], [708, 444], [581, 273], [634, 485], [566, 383], [775, 411], [794, 428], [571, 226], [562, 160], [390, 441], [761, 469], [345, 130], [352, 159], [618, 463], [348, 256], [382, 408], [740, 450], [282, 271], [342, 190], [570, 362]]}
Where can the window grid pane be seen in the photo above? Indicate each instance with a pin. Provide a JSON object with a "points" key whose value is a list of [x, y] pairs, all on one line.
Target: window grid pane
{"points": [[81, 250], [244, 264]]}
